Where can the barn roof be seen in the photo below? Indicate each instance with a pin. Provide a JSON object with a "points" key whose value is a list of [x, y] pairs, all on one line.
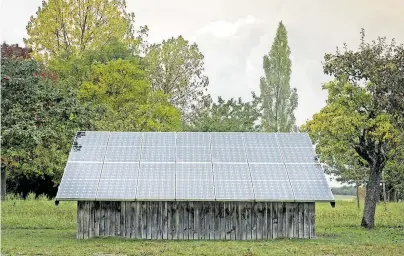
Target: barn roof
{"points": [[197, 166]]}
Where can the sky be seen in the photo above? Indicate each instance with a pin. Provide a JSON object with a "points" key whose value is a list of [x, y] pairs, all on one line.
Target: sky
{"points": [[234, 35]]}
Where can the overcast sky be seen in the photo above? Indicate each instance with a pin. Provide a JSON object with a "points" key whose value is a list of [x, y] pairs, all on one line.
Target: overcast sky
{"points": [[234, 35]]}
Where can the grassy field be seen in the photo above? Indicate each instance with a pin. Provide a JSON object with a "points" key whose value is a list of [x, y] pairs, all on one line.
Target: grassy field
{"points": [[37, 227]]}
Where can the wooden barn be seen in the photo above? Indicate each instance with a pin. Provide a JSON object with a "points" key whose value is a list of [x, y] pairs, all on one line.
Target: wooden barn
{"points": [[191, 185]]}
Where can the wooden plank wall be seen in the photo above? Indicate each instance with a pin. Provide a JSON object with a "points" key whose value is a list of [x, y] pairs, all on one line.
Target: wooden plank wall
{"points": [[196, 220]]}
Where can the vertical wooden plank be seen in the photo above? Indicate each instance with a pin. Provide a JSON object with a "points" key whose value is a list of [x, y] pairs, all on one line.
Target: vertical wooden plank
{"points": [[281, 217], [128, 222], [153, 223], [170, 220], [160, 216], [233, 220], [240, 223], [133, 220], [306, 231], [91, 221], [118, 219], [254, 220], [202, 232], [114, 209], [185, 220], [295, 220], [180, 220], [219, 220], [212, 218], [248, 219], [97, 213], [143, 216], [107, 210], [312, 210], [149, 216], [85, 219], [164, 233], [138, 210], [102, 218], [176, 219], [79, 234], [122, 228], [196, 215], [264, 234], [301, 220], [260, 220], [227, 220], [275, 219], [290, 220], [269, 220], [191, 221]]}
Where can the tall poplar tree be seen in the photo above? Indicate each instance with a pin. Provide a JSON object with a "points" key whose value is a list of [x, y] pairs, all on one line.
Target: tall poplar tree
{"points": [[279, 101]]}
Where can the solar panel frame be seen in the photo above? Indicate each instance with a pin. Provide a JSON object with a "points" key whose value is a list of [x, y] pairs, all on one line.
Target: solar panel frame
{"points": [[273, 190], [91, 138], [293, 140], [231, 172], [193, 155], [311, 190], [260, 140], [193, 140], [118, 171], [82, 170], [198, 171], [87, 154], [299, 155], [159, 139], [261, 155], [305, 171], [157, 171], [227, 140], [266, 171]]}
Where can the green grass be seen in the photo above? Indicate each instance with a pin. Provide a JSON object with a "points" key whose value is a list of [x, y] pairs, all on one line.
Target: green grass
{"points": [[37, 227]]}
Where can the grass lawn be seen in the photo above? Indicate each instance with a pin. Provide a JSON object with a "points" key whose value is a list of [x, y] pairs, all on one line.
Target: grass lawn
{"points": [[37, 227]]}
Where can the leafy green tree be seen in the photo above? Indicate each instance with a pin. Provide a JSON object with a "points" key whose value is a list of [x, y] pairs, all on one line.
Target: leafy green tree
{"points": [[351, 128], [126, 102], [232, 115], [65, 27], [279, 101], [38, 121], [176, 67]]}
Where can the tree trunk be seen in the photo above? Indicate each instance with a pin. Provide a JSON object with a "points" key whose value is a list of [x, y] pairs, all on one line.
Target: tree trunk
{"points": [[372, 197], [3, 183]]}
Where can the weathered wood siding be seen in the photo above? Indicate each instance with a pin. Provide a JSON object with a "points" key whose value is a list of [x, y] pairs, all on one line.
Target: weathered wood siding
{"points": [[196, 220]]}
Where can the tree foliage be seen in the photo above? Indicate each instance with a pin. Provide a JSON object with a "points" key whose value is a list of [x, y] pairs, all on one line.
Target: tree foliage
{"points": [[123, 94], [279, 101], [232, 115], [176, 67], [359, 129], [65, 27], [38, 121]]}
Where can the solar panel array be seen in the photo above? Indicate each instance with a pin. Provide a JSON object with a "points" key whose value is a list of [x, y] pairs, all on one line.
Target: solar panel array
{"points": [[193, 166]]}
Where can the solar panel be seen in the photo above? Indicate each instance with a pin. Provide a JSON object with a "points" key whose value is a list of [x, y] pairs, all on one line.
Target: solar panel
{"points": [[231, 172], [293, 140], [193, 166], [122, 154], [305, 172], [156, 189], [89, 139], [233, 190], [87, 153], [260, 140], [189, 171], [122, 189], [229, 155], [298, 155], [194, 189], [158, 154], [82, 170], [192, 154], [74, 189], [311, 190], [120, 171], [159, 139], [164, 171], [227, 140], [273, 190], [268, 172], [125, 139], [264, 155], [193, 139]]}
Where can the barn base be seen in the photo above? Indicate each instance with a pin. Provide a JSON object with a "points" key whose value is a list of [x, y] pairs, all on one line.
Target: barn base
{"points": [[185, 220]]}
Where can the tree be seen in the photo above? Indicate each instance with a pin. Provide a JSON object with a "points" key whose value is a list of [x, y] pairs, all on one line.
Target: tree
{"points": [[38, 121], [364, 113], [227, 116], [65, 27], [279, 101], [123, 94], [176, 67]]}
